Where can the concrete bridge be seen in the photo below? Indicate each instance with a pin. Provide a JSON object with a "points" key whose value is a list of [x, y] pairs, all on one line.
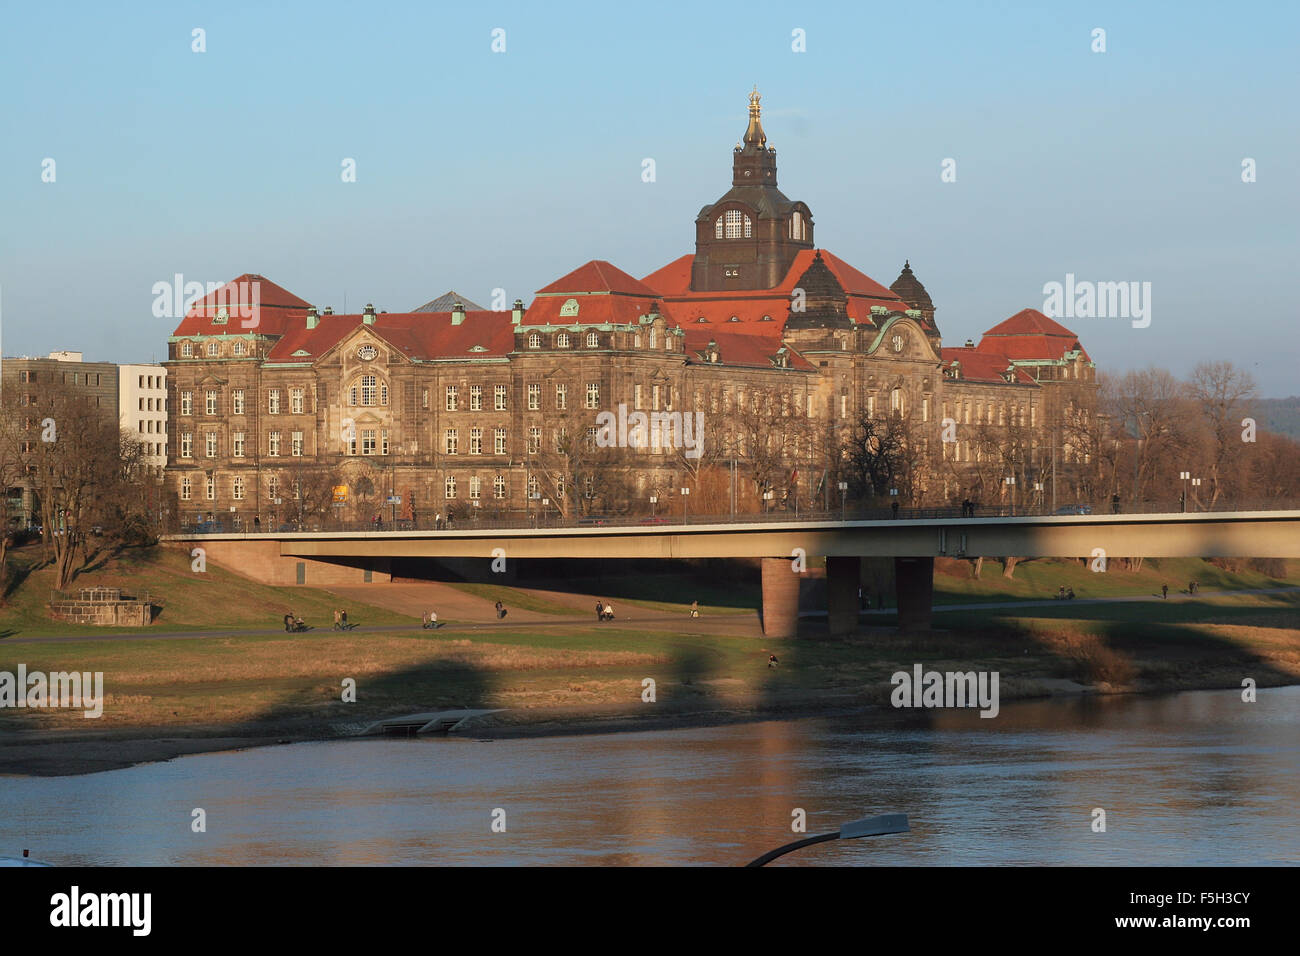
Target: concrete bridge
{"points": [[324, 558]]}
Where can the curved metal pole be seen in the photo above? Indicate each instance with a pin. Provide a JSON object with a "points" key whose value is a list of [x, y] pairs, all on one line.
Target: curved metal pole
{"points": [[791, 847]]}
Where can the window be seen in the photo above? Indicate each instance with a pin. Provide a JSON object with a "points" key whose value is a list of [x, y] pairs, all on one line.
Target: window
{"points": [[717, 229], [295, 444], [210, 444], [499, 441], [499, 393], [369, 389], [383, 393], [237, 488], [896, 401], [476, 398], [273, 488], [474, 486], [273, 401], [561, 436], [534, 340], [453, 398], [796, 226], [237, 444], [187, 350], [383, 441], [534, 441], [210, 487], [449, 487], [451, 442], [187, 488], [424, 398], [593, 340], [593, 394], [187, 444], [187, 403], [237, 401], [654, 397], [737, 222], [295, 401], [499, 486], [534, 488], [238, 348], [561, 396], [213, 349], [534, 397], [562, 340], [210, 402], [476, 441], [273, 445], [636, 395], [367, 441], [591, 438]]}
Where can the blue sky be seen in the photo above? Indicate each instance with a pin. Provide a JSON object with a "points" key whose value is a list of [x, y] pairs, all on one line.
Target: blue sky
{"points": [[478, 170]]}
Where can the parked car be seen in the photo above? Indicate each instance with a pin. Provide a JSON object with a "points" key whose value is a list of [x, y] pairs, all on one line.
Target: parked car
{"points": [[1075, 510], [592, 520], [655, 520]]}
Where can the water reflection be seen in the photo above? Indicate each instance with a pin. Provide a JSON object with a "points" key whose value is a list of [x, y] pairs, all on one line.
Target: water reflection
{"points": [[1194, 778]]}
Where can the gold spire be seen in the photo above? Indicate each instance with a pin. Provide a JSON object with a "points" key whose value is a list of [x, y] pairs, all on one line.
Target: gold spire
{"points": [[754, 135]]}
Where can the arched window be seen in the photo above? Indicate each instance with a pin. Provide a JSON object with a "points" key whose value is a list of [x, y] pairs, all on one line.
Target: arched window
{"points": [[735, 219], [717, 229], [368, 390], [593, 340], [187, 349], [534, 340], [213, 348], [749, 228], [238, 348], [562, 340], [796, 225]]}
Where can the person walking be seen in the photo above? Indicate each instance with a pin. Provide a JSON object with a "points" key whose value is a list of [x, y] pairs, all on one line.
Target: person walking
{"points": [[1164, 591], [609, 612], [695, 609], [501, 610], [343, 615], [433, 619], [338, 626], [600, 610], [257, 524]]}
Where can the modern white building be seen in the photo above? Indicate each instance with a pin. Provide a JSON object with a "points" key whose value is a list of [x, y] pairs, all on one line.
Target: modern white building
{"points": [[142, 408]]}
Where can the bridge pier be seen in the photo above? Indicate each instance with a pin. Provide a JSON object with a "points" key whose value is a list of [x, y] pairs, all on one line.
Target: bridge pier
{"points": [[914, 586], [843, 577], [780, 598]]}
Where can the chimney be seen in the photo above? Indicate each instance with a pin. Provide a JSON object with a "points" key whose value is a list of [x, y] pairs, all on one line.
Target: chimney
{"points": [[970, 344], [517, 315], [368, 314], [313, 319], [329, 310], [457, 314]]}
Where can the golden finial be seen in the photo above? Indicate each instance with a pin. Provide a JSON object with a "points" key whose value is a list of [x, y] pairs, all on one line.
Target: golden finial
{"points": [[754, 109]]}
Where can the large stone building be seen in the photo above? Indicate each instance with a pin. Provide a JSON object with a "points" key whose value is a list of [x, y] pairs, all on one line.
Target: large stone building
{"points": [[758, 350]]}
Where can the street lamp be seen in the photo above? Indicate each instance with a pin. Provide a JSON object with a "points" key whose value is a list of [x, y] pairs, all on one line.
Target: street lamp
{"points": [[654, 499], [1196, 483], [686, 493], [870, 826], [767, 499], [1038, 495], [844, 495], [1184, 475], [1011, 481]]}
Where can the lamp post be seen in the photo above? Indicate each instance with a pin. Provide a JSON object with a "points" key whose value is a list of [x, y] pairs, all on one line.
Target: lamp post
{"points": [[767, 501], [871, 826], [654, 499], [1196, 483], [1184, 475], [1011, 481], [1038, 495], [844, 498], [686, 493]]}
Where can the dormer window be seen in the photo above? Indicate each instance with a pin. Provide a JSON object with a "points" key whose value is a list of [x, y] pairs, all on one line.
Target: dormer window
{"points": [[187, 350], [213, 349], [239, 348], [593, 340], [797, 226], [766, 318], [734, 318], [562, 340], [534, 340], [735, 224]]}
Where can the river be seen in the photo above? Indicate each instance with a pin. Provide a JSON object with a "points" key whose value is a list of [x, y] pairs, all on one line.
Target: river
{"points": [[1197, 778]]}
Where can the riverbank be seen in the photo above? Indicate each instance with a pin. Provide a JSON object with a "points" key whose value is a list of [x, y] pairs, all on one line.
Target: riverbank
{"points": [[169, 698]]}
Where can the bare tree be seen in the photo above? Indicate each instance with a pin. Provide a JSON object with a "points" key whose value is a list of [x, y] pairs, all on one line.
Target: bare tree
{"points": [[1220, 392]]}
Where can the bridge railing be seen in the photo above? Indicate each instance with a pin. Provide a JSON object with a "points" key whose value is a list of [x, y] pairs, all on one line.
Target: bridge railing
{"points": [[433, 522]]}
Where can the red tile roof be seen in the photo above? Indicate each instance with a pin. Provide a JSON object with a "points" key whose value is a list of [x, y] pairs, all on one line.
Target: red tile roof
{"points": [[597, 276], [749, 306], [739, 348], [984, 366], [421, 336], [277, 308], [1031, 335]]}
